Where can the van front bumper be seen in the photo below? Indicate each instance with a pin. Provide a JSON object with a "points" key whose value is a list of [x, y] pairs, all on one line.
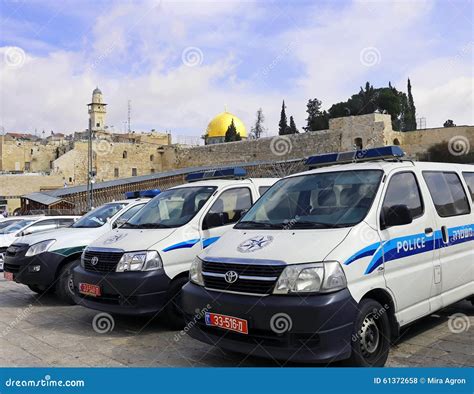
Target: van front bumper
{"points": [[39, 270], [125, 293], [315, 328]]}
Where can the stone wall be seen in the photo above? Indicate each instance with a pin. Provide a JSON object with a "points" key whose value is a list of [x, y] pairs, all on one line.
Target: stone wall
{"points": [[342, 135], [112, 160], [14, 186], [28, 156]]}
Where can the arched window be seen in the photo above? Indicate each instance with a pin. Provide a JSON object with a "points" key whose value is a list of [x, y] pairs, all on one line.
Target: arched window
{"points": [[152, 157], [124, 154], [396, 141], [358, 143]]}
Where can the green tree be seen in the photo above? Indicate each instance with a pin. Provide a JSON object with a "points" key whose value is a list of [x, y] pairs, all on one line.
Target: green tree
{"points": [[411, 117], [449, 123], [317, 119], [283, 124], [258, 129], [292, 129], [231, 133]]}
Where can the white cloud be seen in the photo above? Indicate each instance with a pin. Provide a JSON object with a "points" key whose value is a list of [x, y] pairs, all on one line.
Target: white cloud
{"points": [[134, 52]]}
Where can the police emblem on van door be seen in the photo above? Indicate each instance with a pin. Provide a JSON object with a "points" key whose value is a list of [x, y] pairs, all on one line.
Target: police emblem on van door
{"points": [[114, 238], [231, 276], [255, 243]]}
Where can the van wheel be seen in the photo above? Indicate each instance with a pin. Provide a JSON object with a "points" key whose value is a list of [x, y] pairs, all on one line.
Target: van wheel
{"points": [[371, 336], [173, 312], [41, 290], [65, 284]]}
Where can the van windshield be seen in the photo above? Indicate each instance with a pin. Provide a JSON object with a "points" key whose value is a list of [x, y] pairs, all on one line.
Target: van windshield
{"points": [[98, 217], [322, 200], [171, 208]]}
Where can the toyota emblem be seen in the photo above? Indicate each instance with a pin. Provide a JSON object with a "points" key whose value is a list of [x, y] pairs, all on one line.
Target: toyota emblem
{"points": [[94, 260], [231, 276]]}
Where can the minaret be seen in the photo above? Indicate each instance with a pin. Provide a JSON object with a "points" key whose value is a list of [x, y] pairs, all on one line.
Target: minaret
{"points": [[97, 111]]}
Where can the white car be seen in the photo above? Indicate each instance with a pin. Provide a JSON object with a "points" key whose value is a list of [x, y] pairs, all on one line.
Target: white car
{"points": [[30, 225], [141, 267], [330, 263], [44, 261]]}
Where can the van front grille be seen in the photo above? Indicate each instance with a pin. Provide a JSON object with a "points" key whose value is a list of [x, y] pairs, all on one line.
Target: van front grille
{"points": [[251, 278], [101, 261]]}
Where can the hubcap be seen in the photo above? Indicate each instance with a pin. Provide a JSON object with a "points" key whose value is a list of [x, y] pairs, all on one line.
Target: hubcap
{"points": [[70, 285], [369, 336]]}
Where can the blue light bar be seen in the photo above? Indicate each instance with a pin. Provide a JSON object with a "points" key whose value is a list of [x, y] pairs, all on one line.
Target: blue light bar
{"points": [[131, 195], [233, 172], [385, 152], [149, 193]]}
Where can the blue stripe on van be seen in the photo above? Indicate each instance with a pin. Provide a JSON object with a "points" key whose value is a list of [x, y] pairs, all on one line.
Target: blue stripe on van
{"points": [[367, 251], [209, 241], [190, 243], [410, 245], [186, 244]]}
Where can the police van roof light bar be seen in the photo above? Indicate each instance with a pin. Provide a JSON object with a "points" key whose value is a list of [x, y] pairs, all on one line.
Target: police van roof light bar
{"points": [[233, 173], [385, 152]]}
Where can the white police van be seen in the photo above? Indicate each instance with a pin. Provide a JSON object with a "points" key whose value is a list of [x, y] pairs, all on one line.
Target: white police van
{"points": [[330, 263], [44, 261], [25, 225], [141, 267]]}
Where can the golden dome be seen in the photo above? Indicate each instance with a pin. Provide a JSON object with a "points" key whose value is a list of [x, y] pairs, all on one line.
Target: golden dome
{"points": [[218, 126]]}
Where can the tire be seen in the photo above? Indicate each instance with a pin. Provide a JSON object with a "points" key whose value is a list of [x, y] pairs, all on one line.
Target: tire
{"points": [[64, 284], [173, 313], [371, 335], [40, 290]]}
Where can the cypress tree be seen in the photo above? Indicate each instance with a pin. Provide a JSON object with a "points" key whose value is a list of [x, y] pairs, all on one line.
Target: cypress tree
{"points": [[231, 133], [283, 124], [411, 118], [293, 129]]}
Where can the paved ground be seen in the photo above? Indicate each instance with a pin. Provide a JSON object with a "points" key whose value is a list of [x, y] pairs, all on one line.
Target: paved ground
{"points": [[44, 332]]}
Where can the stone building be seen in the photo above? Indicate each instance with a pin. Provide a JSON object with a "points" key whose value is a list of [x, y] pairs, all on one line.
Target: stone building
{"points": [[97, 111]]}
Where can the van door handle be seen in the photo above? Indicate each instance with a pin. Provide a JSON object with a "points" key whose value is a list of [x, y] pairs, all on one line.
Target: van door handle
{"points": [[428, 231], [444, 233]]}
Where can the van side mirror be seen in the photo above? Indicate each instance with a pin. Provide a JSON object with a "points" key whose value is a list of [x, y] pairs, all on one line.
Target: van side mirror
{"points": [[396, 215], [212, 220]]}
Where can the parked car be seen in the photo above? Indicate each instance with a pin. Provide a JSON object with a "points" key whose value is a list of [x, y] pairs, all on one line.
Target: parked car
{"points": [[330, 263], [44, 261], [29, 225], [141, 267]]}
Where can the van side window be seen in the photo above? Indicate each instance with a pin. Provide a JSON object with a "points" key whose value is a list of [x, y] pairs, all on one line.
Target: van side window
{"points": [[403, 190], [447, 193], [263, 189], [469, 178], [228, 207]]}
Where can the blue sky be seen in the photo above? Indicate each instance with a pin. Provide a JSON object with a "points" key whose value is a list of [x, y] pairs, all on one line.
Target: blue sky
{"points": [[244, 55]]}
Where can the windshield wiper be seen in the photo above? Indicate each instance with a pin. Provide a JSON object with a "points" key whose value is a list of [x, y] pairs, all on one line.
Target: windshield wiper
{"points": [[254, 224], [308, 224], [152, 225]]}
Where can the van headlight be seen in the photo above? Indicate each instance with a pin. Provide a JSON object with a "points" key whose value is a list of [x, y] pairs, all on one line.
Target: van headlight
{"points": [[40, 247], [311, 278], [140, 261], [195, 272]]}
